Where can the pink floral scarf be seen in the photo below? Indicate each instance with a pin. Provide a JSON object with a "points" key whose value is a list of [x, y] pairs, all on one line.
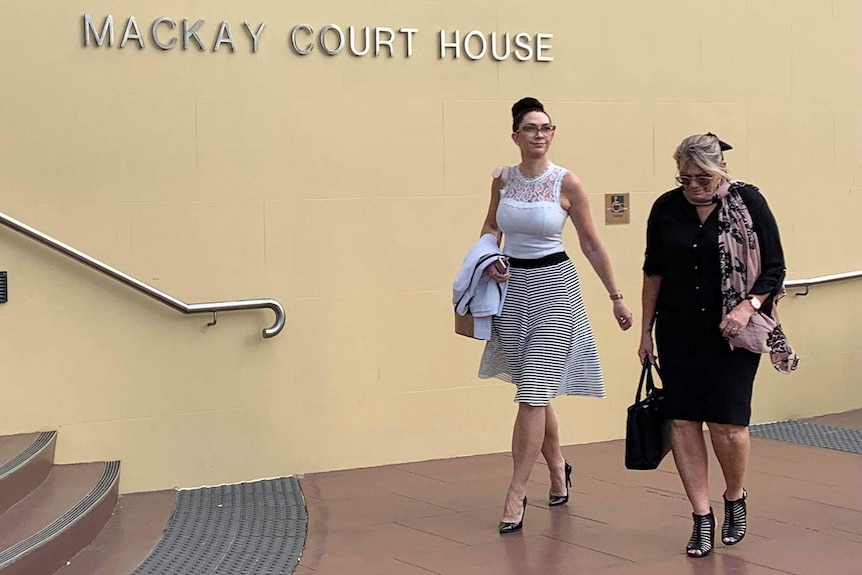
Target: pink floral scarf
{"points": [[739, 254]]}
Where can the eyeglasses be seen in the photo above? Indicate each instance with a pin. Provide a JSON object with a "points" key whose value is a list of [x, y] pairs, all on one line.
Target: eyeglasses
{"points": [[702, 181], [532, 129]]}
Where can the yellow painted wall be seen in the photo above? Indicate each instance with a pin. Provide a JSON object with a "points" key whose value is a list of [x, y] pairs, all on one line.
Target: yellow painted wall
{"points": [[349, 188]]}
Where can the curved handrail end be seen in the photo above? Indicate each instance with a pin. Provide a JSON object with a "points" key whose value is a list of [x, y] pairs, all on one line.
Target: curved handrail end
{"points": [[276, 328]]}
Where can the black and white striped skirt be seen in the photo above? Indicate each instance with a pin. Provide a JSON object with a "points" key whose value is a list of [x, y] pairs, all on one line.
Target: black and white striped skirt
{"points": [[542, 341]]}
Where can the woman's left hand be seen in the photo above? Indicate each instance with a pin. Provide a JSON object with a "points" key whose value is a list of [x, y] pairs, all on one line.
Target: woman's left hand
{"points": [[623, 314], [737, 319]]}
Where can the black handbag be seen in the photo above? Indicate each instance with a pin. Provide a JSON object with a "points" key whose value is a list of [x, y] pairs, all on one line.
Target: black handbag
{"points": [[647, 428]]}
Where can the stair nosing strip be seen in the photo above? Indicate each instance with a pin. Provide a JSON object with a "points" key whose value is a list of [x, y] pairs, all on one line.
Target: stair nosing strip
{"points": [[96, 495], [39, 444]]}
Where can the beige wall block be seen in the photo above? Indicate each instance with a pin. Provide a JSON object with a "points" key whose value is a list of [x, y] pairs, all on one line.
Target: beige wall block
{"points": [[312, 148], [784, 138], [346, 150], [725, 60], [187, 450], [102, 231], [643, 63], [129, 359], [689, 7], [792, 8], [609, 146], [410, 325], [800, 312], [319, 246], [846, 9], [439, 423], [818, 241], [244, 147], [769, 67], [43, 282], [810, 8], [816, 42], [584, 419], [93, 148], [848, 146], [201, 251], [822, 384], [768, 7], [476, 140]]}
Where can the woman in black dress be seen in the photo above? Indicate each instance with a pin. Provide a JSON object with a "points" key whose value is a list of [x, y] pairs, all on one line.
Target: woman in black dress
{"points": [[696, 315]]}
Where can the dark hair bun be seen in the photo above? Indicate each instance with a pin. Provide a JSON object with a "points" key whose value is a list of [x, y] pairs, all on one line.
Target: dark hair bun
{"points": [[525, 105]]}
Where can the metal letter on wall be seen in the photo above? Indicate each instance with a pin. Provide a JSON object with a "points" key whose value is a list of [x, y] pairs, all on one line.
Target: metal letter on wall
{"points": [[90, 30], [617, 209], [155, 33], [339, 34], [309, 47]]}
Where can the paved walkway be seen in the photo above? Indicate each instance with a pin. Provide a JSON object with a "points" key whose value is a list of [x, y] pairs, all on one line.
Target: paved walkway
{"points": [[440, 517]]}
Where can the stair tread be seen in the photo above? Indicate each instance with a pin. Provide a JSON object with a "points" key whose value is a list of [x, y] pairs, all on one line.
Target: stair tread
{"points": [[65, 486], [11, 446], [128, 538]]}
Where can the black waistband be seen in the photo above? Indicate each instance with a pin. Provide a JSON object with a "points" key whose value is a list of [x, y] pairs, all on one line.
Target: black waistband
{"points": [[549, 260]]}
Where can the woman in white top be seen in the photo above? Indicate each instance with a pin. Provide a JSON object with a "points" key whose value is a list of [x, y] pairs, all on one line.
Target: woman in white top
{"points": [[542, 341]]}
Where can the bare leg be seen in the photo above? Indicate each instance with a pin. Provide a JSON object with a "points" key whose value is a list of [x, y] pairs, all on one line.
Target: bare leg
{"points": [[732, 445], [689, 453], [527, 440], [553, 454]]}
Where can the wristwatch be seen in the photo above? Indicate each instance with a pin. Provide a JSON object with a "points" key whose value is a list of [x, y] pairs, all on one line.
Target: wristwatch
{"points": [[755, 303]]}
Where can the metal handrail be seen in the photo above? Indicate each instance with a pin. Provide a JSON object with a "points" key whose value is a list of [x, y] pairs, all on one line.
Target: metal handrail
{"points": [[149, 290], [807, 283]]}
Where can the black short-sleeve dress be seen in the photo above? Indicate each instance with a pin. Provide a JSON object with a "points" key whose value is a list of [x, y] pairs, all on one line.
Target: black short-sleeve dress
{"points": [[704, 379]]}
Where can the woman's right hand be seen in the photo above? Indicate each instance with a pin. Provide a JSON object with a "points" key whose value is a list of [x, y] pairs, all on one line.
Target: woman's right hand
{"points": [[498, 270], [645, 351]]}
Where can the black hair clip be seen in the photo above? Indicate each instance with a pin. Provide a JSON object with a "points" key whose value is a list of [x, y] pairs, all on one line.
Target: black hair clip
{"points": [[723, 146]]}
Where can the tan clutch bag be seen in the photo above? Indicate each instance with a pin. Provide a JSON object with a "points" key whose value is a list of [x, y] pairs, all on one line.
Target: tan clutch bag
{"points": [[464, 324]]}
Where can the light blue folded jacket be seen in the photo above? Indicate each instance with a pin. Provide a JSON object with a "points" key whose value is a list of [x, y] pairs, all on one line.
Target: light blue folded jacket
{"points": [[474, 292]]}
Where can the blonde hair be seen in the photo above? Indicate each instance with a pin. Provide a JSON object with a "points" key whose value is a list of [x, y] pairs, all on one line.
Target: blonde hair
{"points": [[704, 151]]}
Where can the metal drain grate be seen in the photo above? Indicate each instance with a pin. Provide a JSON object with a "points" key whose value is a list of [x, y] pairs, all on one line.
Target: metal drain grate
{"points": [[257, 528], [814, 434]]}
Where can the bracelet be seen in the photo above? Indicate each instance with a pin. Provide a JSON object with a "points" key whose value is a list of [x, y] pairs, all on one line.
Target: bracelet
{"points": [[616, 296]]}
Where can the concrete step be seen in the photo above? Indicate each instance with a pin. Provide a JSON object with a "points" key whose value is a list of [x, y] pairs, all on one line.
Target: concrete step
{"points": [[128, 538], [25, 461], [57, 519]]}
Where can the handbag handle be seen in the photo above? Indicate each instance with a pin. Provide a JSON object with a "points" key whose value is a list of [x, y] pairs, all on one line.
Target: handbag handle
{"points": [[646, 374]]}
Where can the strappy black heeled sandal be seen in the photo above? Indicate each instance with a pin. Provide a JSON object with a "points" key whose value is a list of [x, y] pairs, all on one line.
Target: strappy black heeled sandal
{"points": [[507, 527], [554, 500], [735, 517], [702, 535]]}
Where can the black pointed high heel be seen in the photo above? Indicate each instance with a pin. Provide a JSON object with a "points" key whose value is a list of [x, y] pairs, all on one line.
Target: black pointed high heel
{"points": [[506, 527], [554, 500]]}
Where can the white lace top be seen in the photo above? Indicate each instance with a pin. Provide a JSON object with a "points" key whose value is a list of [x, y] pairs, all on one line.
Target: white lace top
{"points": [[530, 214]]}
